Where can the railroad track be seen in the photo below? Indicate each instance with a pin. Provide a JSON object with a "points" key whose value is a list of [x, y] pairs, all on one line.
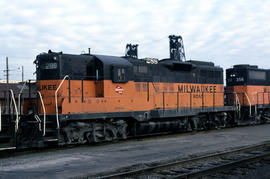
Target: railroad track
{"points": [[198, 166]]}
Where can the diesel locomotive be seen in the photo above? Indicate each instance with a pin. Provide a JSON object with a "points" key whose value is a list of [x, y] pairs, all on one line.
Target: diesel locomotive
{"points": [[252, 87], [94, 98]]}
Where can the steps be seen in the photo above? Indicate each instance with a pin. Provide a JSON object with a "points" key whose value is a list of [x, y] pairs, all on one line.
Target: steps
{"points": [[51, 135], [31, 131]]}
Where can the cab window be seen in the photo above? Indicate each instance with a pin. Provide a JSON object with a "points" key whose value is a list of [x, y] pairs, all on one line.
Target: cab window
{"points": [[119, 75]]}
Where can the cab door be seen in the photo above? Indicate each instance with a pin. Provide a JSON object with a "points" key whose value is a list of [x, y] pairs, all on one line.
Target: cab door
{"points": [[95, 72]]}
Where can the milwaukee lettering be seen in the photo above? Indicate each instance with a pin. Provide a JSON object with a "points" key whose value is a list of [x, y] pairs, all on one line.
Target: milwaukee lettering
{"points": [[196, 89], [48, 87]]}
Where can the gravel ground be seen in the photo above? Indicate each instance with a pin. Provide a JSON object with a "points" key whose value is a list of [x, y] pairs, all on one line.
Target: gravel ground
{"points": [[91, 160]]}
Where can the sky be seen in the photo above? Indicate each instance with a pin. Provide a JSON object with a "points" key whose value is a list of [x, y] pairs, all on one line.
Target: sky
{"points": [[224, 32]]}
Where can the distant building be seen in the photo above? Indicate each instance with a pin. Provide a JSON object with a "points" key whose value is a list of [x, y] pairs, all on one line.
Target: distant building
{"points": [[10, 81], [28, 92]]}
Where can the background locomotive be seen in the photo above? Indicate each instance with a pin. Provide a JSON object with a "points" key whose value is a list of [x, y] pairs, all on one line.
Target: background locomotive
{"points": [[252, 86], [91, 98]]}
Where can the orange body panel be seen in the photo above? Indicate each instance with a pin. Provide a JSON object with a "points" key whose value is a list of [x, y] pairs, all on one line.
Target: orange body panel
{"points": [[251, 95], [106, 96]]}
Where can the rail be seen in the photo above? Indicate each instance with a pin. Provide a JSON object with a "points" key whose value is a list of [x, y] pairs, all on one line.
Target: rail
{"points": [[39, 121], [263, 96], [154, 87], [56, 105], [16, 110], [248, 103], [251, 102], [256, 109], [0, 118], [44, 113], [178, 168], [255, 106], [19, 97], [237, 102], [191, 101]]}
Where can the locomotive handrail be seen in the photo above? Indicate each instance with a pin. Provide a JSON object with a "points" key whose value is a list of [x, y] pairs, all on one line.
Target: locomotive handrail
{"points": [[255, 107], [249, 103], [56, 105], [154, 87], [16, 110], [263, 103], [237, 102], [19, 97], [44, 113], [0, 118], [39, 121], [190, 104]]}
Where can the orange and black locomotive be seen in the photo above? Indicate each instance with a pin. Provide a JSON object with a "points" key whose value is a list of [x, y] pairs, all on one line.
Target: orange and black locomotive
{"points": [[251, 86], [92, 98]]}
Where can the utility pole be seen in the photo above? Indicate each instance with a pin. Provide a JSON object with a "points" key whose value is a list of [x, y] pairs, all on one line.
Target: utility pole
{"points": [[7, 92], [22, 73], [7, 70]]}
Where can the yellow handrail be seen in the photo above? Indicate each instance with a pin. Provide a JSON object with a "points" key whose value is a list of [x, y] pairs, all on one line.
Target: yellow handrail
{"points": [[44, 113], [16, 110], [56, 105]]}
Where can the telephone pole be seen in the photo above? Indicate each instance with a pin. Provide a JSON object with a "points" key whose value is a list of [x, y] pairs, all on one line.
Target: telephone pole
{"points": [[7, 70], [7, 109], [22, 73]]}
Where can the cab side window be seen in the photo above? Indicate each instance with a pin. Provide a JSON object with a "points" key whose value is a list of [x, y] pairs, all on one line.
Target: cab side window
{"points": [[119, 75]]}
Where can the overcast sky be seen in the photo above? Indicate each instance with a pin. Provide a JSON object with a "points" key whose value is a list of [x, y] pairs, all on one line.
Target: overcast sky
{"points": [[224, 32]]}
